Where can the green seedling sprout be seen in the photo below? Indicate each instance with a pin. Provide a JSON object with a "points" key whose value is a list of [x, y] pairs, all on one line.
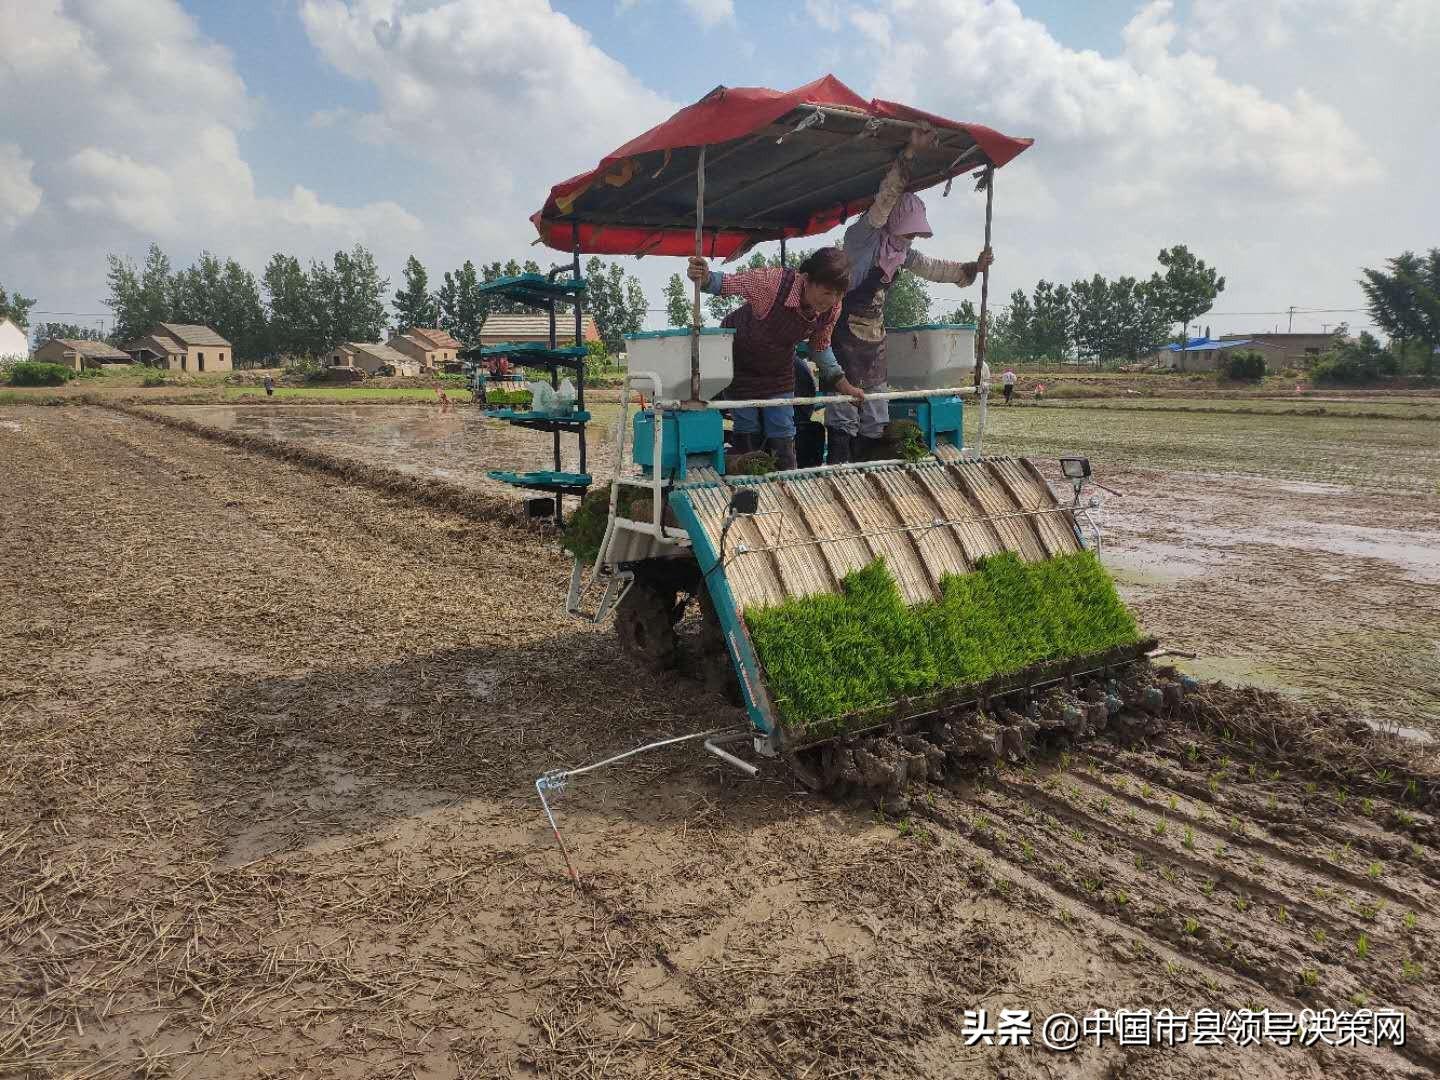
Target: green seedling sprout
{"points": [[1282, 916], [1192, 752], [1367, 806], [1161, 826], [1410, 971], [1122, 897], [1274, 774], [1374, 870], [1254, 772], [1319, 936], [1214, 783], [1242, 904], [1192, 925], [1208, 888], [1410, 920], [1383, 775], [1412, 791], [1271, 803], [1362, 946], [1174, 803], [1168, 873], [1359, 1000], [1311, 787], [1310, 977], [1146, 791], [1189, 840], [1404, 818], [1340, 796]]}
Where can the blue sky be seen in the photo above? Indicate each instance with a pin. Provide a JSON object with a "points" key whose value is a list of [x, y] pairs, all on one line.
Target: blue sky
{"points": [[1252, 130]]}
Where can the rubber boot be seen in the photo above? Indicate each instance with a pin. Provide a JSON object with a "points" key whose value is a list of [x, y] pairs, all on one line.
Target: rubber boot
{"points": [[839, 447], [784, 451], [743, 442], [866, 448]]}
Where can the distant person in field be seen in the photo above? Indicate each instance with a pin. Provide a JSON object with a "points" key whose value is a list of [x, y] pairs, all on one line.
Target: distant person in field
{"points": [[1007, 380], [1039, 391], [444, 401], [269, 386]]}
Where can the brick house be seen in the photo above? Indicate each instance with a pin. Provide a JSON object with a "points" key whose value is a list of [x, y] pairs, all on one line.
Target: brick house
{"points": [[370, 357], [432, 349], [79, 355], [183, 347], [1291, 350]]}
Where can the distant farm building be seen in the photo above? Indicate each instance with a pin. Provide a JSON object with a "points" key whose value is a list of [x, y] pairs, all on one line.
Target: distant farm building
{"points": [[1204, 354], [182, 347], [516, 329], [430, 348], [79, 355], [370, 357], [1290, 350], [13, 340]]}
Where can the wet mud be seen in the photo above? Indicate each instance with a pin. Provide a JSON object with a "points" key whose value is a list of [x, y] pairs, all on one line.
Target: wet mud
{"points": [[268, 809]]}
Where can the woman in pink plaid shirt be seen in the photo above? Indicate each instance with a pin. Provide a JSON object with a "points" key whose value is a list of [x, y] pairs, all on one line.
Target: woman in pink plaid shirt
{"points": [[783, 308]]}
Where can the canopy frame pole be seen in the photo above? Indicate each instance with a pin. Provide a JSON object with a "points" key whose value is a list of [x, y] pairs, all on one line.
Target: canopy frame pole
{"points": [[983, 336], [695, 402]]}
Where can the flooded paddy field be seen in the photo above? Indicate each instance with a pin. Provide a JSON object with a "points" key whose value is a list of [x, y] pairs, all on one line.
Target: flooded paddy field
{"points": [[268, 805]]}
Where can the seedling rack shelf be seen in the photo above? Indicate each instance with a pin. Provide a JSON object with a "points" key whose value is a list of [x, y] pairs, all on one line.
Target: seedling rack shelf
{"points": [[547, 292]]}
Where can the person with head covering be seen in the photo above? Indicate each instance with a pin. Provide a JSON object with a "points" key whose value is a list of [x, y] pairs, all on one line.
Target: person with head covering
{"points": [[880, 245], [782, 308]]}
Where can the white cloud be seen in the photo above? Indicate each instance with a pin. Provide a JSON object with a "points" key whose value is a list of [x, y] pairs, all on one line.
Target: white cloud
{"points": [[19, 194], [138, 142], [463, 88], [874, 25], [712, 12], [825, 14]]}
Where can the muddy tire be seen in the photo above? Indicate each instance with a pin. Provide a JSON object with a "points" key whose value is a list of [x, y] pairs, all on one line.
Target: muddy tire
{"points": [[645, 625], [715, 667]]}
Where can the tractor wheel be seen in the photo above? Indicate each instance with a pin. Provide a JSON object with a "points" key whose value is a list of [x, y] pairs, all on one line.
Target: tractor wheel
{"points": [[715, 666], [645, 625]]}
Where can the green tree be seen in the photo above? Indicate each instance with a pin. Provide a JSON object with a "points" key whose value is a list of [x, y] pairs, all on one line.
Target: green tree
{"points": [[1051, 321], [69, 331], [1091, 317], [1363, 360], [965, 314], [414, 306], [462, 307], [907, 301], [677, 301], [348, 294], [616, 300], [1019, 332], [1189, 286], [223, 296], [292, 328], [15, 307], [1140, 314], [1404, 301], [140, 298]]}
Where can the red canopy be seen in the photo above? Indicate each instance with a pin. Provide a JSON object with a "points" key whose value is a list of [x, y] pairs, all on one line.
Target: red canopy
{"points": [[777, 164]]}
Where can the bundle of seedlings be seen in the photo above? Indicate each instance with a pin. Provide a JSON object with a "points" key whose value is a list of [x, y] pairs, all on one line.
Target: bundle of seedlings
{"points": [[586, 528], [833, 660]]}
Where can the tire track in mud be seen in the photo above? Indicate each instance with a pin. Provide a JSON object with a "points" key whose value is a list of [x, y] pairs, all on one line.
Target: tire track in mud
{"points": [[1290, 818], [1219, 838], [1101, 870]]}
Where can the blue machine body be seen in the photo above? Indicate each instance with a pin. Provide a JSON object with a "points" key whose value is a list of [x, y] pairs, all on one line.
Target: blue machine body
{"points": [[940, 418], [737, 637], [688, 434]]}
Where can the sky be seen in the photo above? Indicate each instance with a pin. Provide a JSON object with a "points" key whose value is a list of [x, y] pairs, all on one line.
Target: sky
{"points": [[1287, 142]]}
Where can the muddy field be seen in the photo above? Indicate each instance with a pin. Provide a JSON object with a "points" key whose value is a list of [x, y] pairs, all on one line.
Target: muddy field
{"points": [[269, 803]]}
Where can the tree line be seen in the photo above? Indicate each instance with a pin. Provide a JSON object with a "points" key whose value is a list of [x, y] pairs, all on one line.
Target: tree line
{"points": [[296, 309], [1093, 319]]}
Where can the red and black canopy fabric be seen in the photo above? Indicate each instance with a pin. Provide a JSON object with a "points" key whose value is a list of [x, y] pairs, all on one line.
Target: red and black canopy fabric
{"points": [[777, 164]]}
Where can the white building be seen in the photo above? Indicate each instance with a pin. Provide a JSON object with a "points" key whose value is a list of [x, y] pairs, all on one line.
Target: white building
{"points": [[13, 340]]}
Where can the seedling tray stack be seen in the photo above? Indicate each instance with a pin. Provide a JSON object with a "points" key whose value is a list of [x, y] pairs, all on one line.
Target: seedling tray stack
{"points": [[860, 596]]}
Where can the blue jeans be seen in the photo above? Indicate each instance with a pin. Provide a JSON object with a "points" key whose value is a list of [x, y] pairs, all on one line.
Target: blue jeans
{"points": [[777, 421]]}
